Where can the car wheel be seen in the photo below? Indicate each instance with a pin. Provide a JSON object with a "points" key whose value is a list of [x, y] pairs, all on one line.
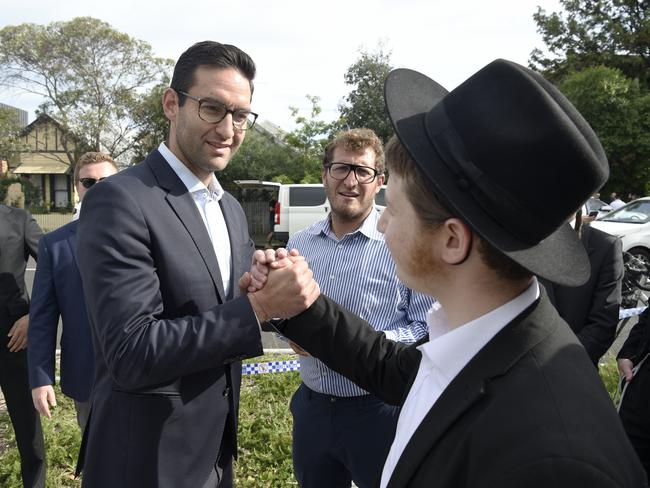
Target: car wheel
{"points": [[643, 255]]}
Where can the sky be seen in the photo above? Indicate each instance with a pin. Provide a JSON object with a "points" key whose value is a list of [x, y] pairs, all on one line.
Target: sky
{"points": [[304, 47]]}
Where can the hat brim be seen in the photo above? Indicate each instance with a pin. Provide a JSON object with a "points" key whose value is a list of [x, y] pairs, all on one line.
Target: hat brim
{"points": [[560, 257]]}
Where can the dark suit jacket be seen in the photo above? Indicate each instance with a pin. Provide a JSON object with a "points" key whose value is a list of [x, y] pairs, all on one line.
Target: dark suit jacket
{"points": [[57, 292], [527, 411], [637, 344], [167, 342], [19, 235], [591, 310]]}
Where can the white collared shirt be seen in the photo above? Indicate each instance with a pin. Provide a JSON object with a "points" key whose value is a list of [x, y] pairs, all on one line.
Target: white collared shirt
{"points": [[445, 354], [207, 203]]}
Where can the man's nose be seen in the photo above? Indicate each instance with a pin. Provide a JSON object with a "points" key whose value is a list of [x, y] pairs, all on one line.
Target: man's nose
{"points": [[225, 127]]}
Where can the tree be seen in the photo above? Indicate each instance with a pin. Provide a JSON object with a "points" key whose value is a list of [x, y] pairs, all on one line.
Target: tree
{"points": [[619, 112], [92, 77], [309, 139], [151, 122], [10, 144], [262, 157], [614, 33], [364, 105]]}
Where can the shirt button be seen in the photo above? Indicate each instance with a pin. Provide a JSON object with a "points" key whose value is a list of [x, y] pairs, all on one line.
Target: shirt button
{"points": [[340, 246], [226, 392], [331, 277]]}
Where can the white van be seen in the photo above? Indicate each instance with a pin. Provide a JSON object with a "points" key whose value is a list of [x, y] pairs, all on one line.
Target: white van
{"points": [[298, 205]]}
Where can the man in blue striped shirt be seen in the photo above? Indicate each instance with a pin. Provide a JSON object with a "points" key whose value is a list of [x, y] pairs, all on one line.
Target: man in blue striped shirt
{"points": [[340, 432]]}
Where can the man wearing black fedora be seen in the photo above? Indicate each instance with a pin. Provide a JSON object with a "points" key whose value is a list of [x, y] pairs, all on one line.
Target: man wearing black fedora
{"points": [[501, 393]]}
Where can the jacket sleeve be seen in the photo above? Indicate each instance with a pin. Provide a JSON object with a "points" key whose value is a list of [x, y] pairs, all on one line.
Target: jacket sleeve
{"points": [[43, 322], [141, 342], [350, 346], [599, 330], [33, 234], [637, 343]]}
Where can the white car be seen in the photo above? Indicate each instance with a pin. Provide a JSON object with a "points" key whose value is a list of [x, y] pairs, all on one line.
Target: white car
{"points": [[631, 223]]}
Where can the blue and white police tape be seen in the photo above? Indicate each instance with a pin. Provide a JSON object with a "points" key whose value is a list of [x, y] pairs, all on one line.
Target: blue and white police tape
{"points": [[626, 313], [294, 364], [270, 367]]}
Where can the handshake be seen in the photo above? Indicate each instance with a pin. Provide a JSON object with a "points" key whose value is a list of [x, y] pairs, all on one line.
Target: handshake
{"points": [[279, 284]]}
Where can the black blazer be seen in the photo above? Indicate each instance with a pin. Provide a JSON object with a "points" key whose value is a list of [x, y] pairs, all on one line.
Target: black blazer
{"points": [[591, 310], [527, 411], [19, 236], [637, 344], [168, 341]]}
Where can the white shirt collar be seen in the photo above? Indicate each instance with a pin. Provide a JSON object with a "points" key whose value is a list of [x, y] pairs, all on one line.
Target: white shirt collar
{"points": [[450, 350], [189, 179]]}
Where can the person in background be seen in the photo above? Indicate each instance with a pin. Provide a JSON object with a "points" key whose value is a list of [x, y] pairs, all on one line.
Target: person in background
{"points": [[634, 409], [269, 237], [591, 309], [19, 236], [616, 202], [57, 293], [341, 433]]}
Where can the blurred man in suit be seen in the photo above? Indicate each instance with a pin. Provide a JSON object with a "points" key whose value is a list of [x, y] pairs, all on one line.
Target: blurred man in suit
{"points": [[19, 235], [57, 293]]}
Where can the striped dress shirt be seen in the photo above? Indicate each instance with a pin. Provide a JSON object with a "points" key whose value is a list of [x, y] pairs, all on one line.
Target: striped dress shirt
{"points": [[358, 273]]}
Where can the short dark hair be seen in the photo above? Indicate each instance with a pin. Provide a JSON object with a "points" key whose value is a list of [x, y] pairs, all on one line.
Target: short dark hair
{"points": [[431, 212], [92, 157], [214, 54], [357, 140]]}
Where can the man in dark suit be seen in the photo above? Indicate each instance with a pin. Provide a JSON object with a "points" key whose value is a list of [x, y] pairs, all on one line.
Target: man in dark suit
{"points": [[634, 365], [57, 293], [591, 309], [160, 247], [501, 394], [19, 235]]}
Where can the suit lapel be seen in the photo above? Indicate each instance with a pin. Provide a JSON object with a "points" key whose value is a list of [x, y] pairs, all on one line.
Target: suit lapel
{"points": [[472, 384], [183, 205]]}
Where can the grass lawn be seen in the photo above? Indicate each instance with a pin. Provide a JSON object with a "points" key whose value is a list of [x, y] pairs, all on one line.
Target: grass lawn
{"points": [[264, 434]]}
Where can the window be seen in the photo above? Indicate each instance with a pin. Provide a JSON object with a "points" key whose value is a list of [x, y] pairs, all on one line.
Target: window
{"points": [[306, 196]]}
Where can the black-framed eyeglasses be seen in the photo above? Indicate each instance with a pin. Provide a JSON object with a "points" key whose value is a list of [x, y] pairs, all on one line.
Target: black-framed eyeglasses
{"points": [[88, 182], [340, 171], [214, 112]]}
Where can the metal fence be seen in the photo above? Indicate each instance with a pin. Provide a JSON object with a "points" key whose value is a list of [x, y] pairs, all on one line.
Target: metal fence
{"points": [[52, 221], [257, 214]]}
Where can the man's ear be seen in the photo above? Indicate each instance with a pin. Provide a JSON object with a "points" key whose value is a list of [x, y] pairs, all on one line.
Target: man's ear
{"points": [[170, 104], [457, 241], [380, 182]]}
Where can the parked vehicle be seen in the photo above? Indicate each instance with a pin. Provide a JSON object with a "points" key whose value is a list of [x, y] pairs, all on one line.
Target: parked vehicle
{"points": [[631, 223], [298, 205]]}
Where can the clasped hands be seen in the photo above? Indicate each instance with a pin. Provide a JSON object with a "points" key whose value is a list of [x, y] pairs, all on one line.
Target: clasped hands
{"points": [[279, 284]]}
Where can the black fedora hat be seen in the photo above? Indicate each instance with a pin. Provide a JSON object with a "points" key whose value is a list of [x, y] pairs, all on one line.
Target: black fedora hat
{"points": [[508, 153]]}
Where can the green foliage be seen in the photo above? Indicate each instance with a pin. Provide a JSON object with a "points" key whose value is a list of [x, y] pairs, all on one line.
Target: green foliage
{"points": [[265, 431], [91, 77], [62, 440], [264, 436], [614, 33], [610, 376], [10, 144], [619, 112], [309, 139], [153, 126], [32, 193], [263, 157], [364, 105]]}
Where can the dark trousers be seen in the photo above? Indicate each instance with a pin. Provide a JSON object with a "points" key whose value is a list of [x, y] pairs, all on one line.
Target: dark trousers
{"points": [[338, 440], [635, 413], [24, 418]]}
